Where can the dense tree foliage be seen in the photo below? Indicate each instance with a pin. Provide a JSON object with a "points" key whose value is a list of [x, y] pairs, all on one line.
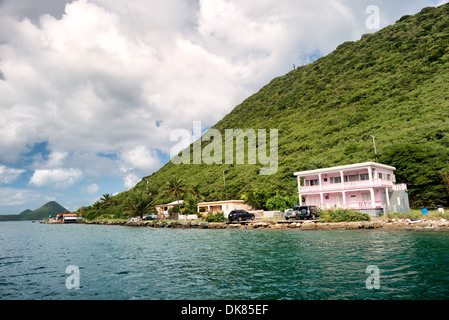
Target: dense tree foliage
{"points": [[392, 84], [420, 166]]}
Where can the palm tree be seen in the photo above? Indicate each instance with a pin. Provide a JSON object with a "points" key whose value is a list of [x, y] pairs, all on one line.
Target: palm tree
{"points": [[138, 204], [193, 198], [250, 198], [195, 192], [174, 187], [107, 199], [97, 205]]}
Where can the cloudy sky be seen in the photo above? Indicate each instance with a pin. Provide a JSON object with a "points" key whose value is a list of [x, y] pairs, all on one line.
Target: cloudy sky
{"points": [[90, 90]]}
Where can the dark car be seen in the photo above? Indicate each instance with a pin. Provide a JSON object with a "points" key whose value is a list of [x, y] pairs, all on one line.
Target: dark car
{"points": [[302, 212], [240, 215]]}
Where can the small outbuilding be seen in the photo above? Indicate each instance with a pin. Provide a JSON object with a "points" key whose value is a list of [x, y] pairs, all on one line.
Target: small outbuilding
{"points": [[162, 209], [68, 217], [223, 206]]}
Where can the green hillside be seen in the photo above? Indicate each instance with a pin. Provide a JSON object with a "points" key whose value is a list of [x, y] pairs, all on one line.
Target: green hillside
{"points": [[393, 84], [51, 208]]}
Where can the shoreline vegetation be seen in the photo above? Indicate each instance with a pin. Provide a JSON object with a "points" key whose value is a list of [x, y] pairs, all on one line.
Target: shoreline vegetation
{"points": [[272, 223], [338, 219]]}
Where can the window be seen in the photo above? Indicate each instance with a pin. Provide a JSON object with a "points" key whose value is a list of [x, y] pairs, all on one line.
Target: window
{"points": [[313, 182], [335, 179], [366, 197], [354, 177], [388, 176], [379, 175], [364, 177]]}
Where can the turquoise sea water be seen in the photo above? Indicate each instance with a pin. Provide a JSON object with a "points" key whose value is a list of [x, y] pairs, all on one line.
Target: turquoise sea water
{"points": [[117, 262]]}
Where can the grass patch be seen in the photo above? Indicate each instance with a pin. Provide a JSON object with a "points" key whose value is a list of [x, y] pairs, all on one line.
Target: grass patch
{"points": [[417, 214], [215, 217], [341, 215]]}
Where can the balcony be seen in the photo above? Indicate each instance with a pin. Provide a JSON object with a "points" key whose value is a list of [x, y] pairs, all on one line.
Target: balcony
{"points": [[353, 185], [350, 205]]}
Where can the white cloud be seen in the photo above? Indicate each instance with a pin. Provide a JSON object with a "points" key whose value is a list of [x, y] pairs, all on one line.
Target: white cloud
{"points": [[18, 197], [130, 181], [91, 189], [9, 175], [140, 158], [102, 76], [56, 178], [56, 159], [105, 82]]}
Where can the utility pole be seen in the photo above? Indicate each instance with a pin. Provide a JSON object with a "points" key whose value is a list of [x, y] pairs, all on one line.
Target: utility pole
{"points": [[375, 150], [224, 179]]}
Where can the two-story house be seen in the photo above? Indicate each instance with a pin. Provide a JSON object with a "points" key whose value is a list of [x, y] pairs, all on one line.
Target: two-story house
{"points": [[366, 187]]}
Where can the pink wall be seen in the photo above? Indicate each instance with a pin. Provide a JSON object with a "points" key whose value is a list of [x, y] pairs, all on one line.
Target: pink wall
{"points": [[326, 179], [356, 199]]}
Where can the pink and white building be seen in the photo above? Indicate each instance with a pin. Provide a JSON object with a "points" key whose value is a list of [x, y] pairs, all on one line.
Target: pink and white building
{"points": [[367, 187]]}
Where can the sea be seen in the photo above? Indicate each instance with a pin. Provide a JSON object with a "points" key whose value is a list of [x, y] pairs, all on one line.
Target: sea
{"points": [[100, 262]]}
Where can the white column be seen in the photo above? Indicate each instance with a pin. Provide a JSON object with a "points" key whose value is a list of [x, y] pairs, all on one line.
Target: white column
{"points": [[387, 196], [299, 191], [370, 173], [342, 180], [373, 200], [319, 181], [321, 199]]}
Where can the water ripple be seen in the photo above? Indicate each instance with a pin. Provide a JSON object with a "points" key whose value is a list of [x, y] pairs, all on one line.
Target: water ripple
{"points": [[160, 264]]}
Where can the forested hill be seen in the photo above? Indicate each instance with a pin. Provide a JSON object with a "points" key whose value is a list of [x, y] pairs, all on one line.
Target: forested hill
{"points": [[392, 84], [51, 208]]}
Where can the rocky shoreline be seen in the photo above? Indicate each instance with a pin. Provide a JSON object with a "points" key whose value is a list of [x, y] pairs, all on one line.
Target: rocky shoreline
{"points": [[377, 223]]}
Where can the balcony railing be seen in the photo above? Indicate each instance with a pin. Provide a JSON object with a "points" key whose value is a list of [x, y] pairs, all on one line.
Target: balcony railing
{"points": [[400, 187], [350, 205], [349, 185]]}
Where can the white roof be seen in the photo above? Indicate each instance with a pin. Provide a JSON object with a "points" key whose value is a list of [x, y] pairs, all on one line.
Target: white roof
{"points": [[363, 165], [174, 203], [225, 201]]}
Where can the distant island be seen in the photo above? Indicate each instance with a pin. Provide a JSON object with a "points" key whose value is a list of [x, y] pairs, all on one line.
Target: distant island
{"points": [[51, 208]]}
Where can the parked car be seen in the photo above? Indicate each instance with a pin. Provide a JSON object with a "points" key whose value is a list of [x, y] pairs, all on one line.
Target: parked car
{"points": [[151, 216], [240, 215], [302, 212]]}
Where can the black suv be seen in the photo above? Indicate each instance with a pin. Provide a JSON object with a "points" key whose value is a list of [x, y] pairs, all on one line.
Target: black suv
{"points": [[240, 215], [302, 212]]}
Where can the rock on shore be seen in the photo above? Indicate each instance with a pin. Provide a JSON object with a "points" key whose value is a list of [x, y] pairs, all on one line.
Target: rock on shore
{"points": [[281, 224]]}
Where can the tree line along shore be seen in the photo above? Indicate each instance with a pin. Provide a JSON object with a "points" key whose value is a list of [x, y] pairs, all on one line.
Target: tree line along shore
{"points": [[377, 223]]}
